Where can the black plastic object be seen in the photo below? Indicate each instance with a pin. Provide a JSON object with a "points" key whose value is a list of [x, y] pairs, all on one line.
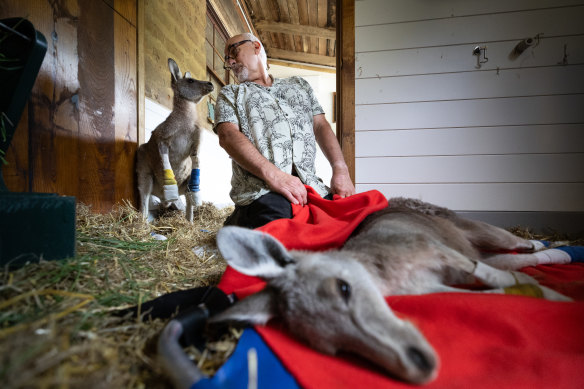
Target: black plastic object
{"points": [[22, 50], [34, 226], [192, 308]]}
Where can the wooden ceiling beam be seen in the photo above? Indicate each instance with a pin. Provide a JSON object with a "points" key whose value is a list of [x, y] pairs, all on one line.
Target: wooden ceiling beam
{"points": [[306, 66], [301, 57], [296, 29]]}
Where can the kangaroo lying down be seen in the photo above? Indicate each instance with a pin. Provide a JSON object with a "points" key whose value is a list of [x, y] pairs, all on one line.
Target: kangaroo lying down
{"points": [[333, 300]]}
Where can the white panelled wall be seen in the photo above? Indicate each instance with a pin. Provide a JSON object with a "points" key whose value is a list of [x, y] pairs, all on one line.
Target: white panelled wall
{"points": [[430, 124]]}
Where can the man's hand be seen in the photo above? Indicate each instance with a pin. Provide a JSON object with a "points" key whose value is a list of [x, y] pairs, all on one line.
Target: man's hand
{"points": [[288, 186], [341, 183]]}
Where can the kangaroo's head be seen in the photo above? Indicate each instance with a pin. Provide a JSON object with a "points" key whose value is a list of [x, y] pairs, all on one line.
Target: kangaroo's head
{"points": [[326, 299], [187, 87]]}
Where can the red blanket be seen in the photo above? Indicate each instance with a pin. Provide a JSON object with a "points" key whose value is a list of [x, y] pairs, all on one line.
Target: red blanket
{"points": [[483, 340]]}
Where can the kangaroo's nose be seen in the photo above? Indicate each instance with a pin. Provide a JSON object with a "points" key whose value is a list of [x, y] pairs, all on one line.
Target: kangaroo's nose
{"points": [[210, 85], [419, 359]]}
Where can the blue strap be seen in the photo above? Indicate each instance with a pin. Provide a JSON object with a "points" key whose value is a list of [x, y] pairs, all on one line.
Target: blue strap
{"points": [[576, 253]]}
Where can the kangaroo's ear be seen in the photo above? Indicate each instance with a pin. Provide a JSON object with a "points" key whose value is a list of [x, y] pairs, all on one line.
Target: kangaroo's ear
{"points": [[187, 74], [255, 309], [253, 252], [174, 70]]}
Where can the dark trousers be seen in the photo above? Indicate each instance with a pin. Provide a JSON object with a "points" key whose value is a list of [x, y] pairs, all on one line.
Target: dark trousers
{"points": [[270, 206]]}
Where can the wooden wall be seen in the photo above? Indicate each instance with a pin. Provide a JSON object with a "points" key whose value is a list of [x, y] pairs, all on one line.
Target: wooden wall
{"points": [[174, 29], [508, 136], [78, 133]]}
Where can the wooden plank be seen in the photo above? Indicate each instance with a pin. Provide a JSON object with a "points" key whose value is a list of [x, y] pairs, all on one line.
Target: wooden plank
{"points": [[321, 21], [553, 197], [301, 57], [269, 9], [312, 21], [244, 17], [472, 168], [54, 117], [396, 11], [16, 171], [295, 20], [458, 58], [289, 28], [484, 84], [558, 138], [303, 66], [125, 109], [256, 10], [472, 113], [303, 19], [285, 18], [127, 10], [493, 28], [96, 101], [345, 61], [141, 71]]}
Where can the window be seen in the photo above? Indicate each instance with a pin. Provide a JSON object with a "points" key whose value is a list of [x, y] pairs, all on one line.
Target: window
{"points": [[215, 38]]}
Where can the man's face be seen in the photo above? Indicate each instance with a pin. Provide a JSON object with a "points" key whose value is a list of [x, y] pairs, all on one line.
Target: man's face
{"points": [[238, 54]]}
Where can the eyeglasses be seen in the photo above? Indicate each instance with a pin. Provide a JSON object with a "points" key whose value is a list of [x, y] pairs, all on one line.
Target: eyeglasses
{"points": [[230, 48]]}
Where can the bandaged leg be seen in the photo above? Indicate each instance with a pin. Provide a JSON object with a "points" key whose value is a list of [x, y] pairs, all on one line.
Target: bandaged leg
{"points": [[170, 188], [517, 261], [193, 194], [510, 282]]}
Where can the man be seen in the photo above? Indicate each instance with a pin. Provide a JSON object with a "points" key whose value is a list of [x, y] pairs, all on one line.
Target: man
{"points": [[269, 126]]}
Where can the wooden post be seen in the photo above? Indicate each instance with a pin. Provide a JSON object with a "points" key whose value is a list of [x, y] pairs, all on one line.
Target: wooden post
{"points": [[346, 81]]}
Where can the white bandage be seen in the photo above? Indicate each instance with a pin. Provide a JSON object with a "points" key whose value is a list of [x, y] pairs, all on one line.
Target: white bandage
{"points": [[552, 256], [170, 192], [195, 198]]}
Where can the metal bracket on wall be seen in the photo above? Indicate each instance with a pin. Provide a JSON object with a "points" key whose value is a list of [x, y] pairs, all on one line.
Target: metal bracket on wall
{"points": [[477, 52]]}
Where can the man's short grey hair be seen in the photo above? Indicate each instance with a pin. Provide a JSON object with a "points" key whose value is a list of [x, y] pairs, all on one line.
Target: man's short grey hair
{"points": [[263, 55]]}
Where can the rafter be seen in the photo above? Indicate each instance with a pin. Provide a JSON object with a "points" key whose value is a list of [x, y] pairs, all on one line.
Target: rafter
{"points": [[296, 29], [301, 57]]}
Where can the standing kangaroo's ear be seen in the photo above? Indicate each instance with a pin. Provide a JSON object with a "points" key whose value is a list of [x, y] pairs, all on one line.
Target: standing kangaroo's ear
{"points": [[174, 70], [253, 252]]}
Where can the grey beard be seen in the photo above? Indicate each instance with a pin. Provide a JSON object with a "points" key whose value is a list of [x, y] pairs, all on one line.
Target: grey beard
{"points": [[242, 74]]}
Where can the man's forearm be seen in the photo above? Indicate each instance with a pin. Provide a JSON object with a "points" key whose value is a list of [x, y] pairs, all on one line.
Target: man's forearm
{"points": [[341, 183], [328, 143]]}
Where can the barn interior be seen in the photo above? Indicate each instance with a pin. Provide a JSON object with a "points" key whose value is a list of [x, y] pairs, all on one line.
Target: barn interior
{"points": [[456, 104]]}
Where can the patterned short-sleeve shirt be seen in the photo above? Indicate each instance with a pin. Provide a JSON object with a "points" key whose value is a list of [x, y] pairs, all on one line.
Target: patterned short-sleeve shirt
{"points": [[278, 120]]}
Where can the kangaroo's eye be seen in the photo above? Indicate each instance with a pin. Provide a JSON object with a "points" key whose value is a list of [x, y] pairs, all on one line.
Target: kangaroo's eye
{"points": [[344, 289], [190, 80]]}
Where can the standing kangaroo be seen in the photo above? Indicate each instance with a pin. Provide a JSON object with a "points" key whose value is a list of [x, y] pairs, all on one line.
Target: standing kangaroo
{"points": [[166, 162], [333, 300]]}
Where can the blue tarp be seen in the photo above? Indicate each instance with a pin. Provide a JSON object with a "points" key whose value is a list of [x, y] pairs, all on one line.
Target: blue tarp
{"points": [[234, 374]]}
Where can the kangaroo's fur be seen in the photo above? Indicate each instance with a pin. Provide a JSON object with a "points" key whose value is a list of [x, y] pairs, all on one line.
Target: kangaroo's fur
{"points": [[174, 141], [333, 300]]}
